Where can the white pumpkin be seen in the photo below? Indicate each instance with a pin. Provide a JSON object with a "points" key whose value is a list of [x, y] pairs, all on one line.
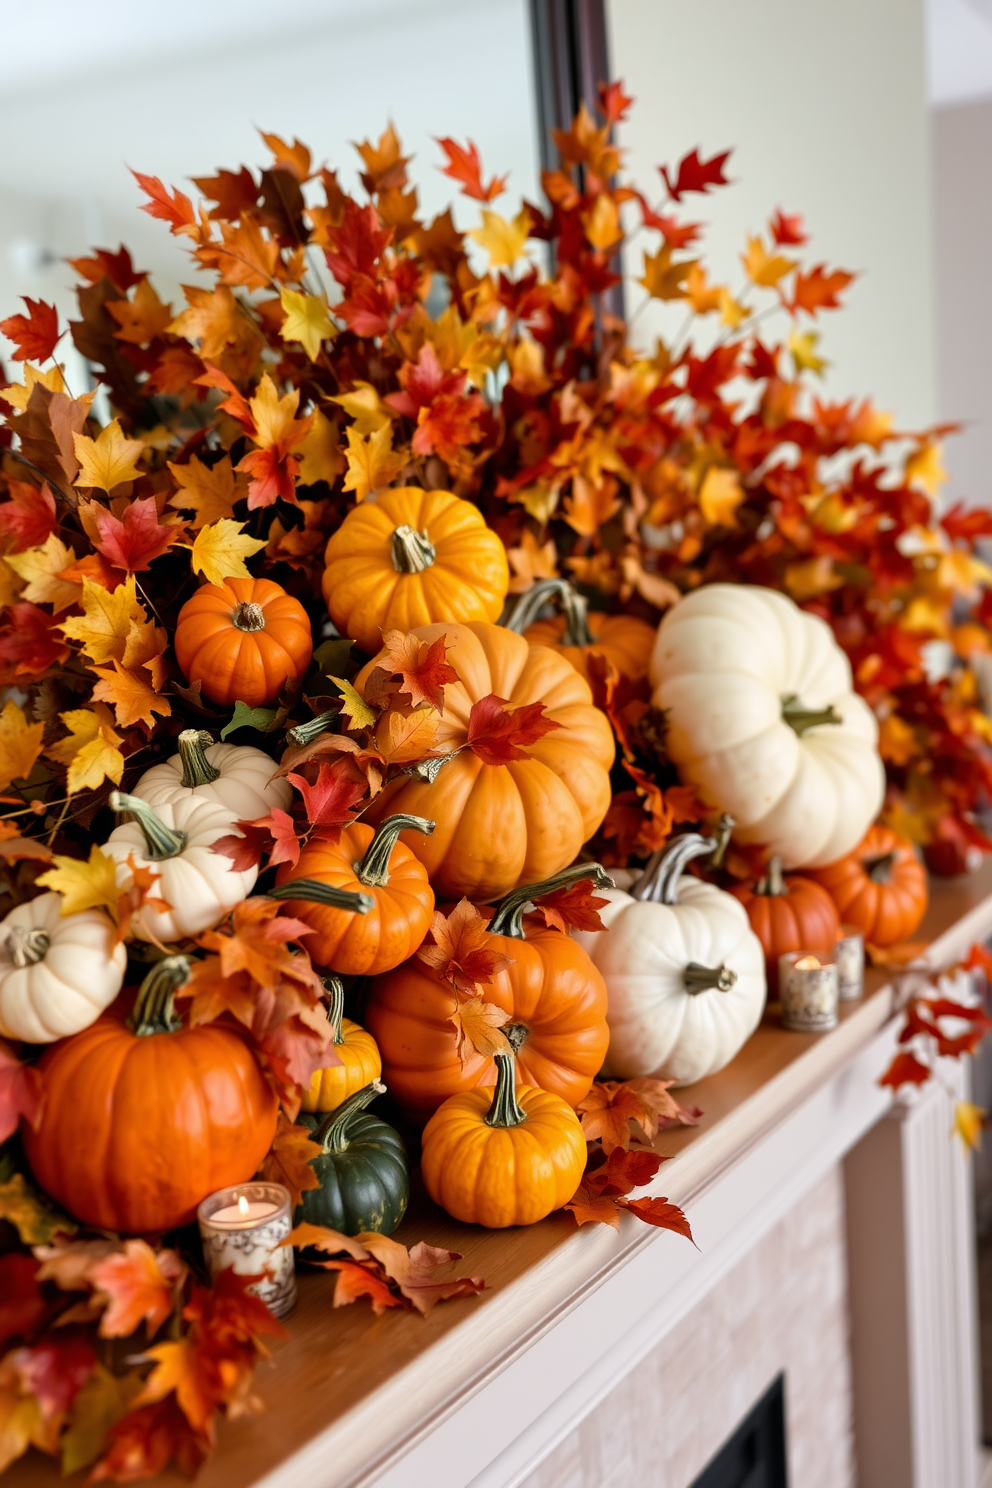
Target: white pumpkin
{"points": [[176, 841], [57, 972], [762, 719], [684, 971], [235, 775]]}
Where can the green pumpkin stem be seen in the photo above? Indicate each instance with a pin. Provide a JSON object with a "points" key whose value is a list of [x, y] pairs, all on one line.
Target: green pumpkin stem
{"points": [[573, 606], [332, 1133], [334, 987], [197, 769], [160, 841], [505, 1109], [305, 733], [373, 870], [698, 978], [659, 883], [154, 1010], [724, 831], [509, 916], [801, 719], [412, 551], [314, 892]]}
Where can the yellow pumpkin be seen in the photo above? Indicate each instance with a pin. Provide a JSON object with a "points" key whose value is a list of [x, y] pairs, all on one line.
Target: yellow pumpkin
{"points": [[357, 1050]]}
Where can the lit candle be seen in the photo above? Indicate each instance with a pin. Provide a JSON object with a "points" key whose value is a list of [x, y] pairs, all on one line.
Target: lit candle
{"points": [[809, 987], [851, 963], [243, 1227]]}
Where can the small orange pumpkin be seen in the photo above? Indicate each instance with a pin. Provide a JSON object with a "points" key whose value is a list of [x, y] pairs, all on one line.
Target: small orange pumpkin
{"points": [[243, 640], [880, 888], [788, 914], [578, 631], [360, 1063]]}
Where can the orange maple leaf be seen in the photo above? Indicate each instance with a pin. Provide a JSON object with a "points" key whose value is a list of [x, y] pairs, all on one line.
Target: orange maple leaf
{"points": [[575, 907], [462, 951], [139, 1285], [421, 668], [288, 1160], [478, 1025], [612, 1105]]}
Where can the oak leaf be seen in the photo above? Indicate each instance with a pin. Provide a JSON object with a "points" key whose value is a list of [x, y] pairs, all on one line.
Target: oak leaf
{"points": [[220, 549], [139, 1285], [461, 950], [498, 736], [109, 460], [90, 750], [20, 744]]}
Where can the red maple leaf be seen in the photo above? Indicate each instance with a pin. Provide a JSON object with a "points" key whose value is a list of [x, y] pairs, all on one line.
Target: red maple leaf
{"points": [[176, 210], [233, 192], [133, 541], [273, 477], [465, 166], [905, 1069], [576, 907], [676, 234], [818, 290], [498, 736], [29, 516], [367, 306], [22, 1305], [54, 1369], [331, 800], [21, 1092], [34, 334], [422, 669], [614, 102], [104, 264], [695, 174], [787, 230], [143, 1442], [964, 524], [357, 245]]}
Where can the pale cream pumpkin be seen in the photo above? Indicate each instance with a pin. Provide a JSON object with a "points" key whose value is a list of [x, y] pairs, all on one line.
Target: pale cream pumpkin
{"points": [[57, 972], [234, 775]]}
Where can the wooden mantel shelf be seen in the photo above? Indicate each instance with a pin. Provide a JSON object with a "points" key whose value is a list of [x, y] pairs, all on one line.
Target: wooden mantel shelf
{"points": [[349, 1393]]}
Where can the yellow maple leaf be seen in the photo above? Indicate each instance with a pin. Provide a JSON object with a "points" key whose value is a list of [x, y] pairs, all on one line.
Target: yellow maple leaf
{"points": [[20, 744], [89, 885], [504, 241], [803, 346], [701, 295], [106, 623], [18, 394], [811, 577], [209, 491], [924, 469], [89, 749], [364, 405], [353, 706], [732, 312], [479, 1026], [372, 462], [720, 495], [896, 740], [40, 569], [319, 453], [133, 693], [602, 224], [962, 573], [275, 418], [764, 268], [308, 321], [219, 551], [664, 278], [968, 1122], [108, 460]]}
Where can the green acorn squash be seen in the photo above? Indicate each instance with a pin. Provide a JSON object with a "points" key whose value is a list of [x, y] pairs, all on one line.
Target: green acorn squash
{"points": [[363, 1170]]}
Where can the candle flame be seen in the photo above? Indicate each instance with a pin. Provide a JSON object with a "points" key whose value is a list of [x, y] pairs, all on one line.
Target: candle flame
{"points": [[242, 1206], [808, 963]]}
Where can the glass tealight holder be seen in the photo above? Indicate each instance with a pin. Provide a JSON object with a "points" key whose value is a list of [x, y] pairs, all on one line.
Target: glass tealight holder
{"points": [[809, 990], [243, 1227], [851, 963]]}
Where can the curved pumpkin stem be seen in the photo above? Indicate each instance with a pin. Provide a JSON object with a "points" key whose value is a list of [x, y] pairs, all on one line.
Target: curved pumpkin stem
{"points": [[505, 1109], [572, 604], [373, 870], [305, 733], [315, 892], [412, 551], [879, 869], [698, 978], [249, 616], [27, 947], [154, 1010], [332, 1133], [773, 885], [509, 916], [197, 769], [724, 831], [801, 719], [161, 842], [334, 987], [659, 883]]}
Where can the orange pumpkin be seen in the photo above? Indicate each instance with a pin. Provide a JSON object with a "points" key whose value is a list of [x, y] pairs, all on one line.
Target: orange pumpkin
{"points": [[578, 631], [410, 557], [552, 991], [360, 1063], [880, 888], [243, 640], [369, 861], [788, 914], [503, 825], [143, 1117]]}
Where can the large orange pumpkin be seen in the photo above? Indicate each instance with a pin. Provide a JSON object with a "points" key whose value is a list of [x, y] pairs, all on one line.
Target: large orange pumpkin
{"points": [[143, 1117], [498, 826], [243, 640], [578, 631], [365, 860], [880, 888], [410, 557], [789, 913], [552, 991]]}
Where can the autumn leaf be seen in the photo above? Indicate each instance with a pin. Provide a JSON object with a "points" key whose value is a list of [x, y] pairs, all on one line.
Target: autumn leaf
{"points": [[111, 620], [139, 1285], [145, 1439], [133, 694], [319, 452], [465, 167], [905, 1069], [209, 491], [763, 268], [423, 670], [308, 321], [141, 319], [83, 885], [787, 230], [575, 907], [478, 1026], [109, 460], [176, 210], [288, 1161], [330, 801], [504, 241], [22, 1093], [818, 290], [220, 549], [461, 950], [365, 407], [354, 708], [371, 462], [41, 569], [664, 277], [660, 1213], [90, 750], [415, 1271], [29, 517], [100, 1404], [133, 541], [406, 735], [35, 335], [32, 1214], [355, 1281], [498, 736], [969, 1120], [20, 744], [695, 174], [923, 468], [720, 495], [611, 1105]]}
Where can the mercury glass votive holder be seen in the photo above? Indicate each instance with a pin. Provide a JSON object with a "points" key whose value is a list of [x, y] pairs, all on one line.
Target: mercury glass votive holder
{"points": [[851, 963], [809, 990], [243, 1227]]}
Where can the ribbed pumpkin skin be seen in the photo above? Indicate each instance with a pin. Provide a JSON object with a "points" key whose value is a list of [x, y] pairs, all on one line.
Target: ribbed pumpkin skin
{"points": [[498, 826], [624, 640], [884, 912], [365, 1188], [251, 665], [360, 1065], [499, 1176], [362, 945], [804, 918], [136, 1131], [552, 988], [365, 593]]}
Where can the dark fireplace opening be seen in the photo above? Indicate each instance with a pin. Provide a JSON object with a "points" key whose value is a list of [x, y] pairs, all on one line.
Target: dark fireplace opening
{"points": [[754, 1457]]}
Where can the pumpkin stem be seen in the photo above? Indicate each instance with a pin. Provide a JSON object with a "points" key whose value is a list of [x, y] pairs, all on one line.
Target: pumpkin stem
{"points": [[332, 1133], [27, 947], [412, 551], [305, 733], [724, 830], [249, 616], [773, 885], [879, 869], [334, 987], [197, 769], [509, 916], [313, 891], [573, 606], [505, 1109], [153, 1011], [373, 870], [160, 841], [801, 719], [698, 978], [659, 883]]}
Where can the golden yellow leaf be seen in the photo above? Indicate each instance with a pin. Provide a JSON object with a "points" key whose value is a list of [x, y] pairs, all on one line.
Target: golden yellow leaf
{"points": [[720, 495], [811, 577], [17, 394], [403, 735], [531, 561], [764, 268], [527, 367], [40, 569], [105, 624], [968, 1122], [209, 491], [89, 749], [108, 460], [602, 224], [308, 321], [962, 573], [353, 706], [924, 469], [320, 454], [220, 550], [539, 500], [732, 312], [504, 241], [89, 885], [364, 405], [275, 416], [803, 346], [372, 463], [896, 740], [701, 295], [20, 744], [664, 279]]}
